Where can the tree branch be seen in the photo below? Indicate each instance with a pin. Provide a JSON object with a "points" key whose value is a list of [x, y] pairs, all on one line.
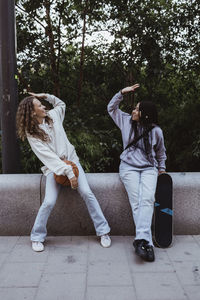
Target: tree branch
{"points": [[49, 34], [82, 54], [59, 34], [33, 17]]}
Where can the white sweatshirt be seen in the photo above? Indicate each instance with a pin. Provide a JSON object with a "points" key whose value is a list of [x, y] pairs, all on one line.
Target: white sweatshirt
{"points": [[52, 152]]}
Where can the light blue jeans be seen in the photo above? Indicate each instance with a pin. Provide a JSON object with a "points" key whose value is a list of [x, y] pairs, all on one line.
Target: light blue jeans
{"points": [[39, 231], [140, 186]]}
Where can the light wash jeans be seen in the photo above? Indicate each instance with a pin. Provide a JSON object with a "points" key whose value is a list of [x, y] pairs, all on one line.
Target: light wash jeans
{"points": [[39, 230], [140, 186]]}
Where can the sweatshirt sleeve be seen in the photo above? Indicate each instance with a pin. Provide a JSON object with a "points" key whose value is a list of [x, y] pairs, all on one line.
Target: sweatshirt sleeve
{"points": [[114, 111], [160, 151], [49, 158], [58, 106]]}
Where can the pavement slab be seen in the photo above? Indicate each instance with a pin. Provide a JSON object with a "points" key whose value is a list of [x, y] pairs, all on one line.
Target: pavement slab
{"points": [[108, 273], [3, 257], [184, 248], [188, 272], [18, 293], [79, 268], [158, 286], [7, 243], [21, 274], [193, 291], [23, 254], [197, 238], [61, 260], [111, 293], [62, 286]]}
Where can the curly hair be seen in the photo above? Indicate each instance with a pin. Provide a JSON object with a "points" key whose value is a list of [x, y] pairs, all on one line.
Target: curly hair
{"points": [[26, 122]]}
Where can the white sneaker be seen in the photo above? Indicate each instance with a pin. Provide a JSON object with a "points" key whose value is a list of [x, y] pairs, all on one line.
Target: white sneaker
{"points": [[105, 241], [37, 246]]}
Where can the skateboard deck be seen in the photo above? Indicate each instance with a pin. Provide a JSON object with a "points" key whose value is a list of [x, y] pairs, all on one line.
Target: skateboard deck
{"points": [[163, 211]]}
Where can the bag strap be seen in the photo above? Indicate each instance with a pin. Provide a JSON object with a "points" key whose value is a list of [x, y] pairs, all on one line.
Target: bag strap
{"points": [[139, 137]]}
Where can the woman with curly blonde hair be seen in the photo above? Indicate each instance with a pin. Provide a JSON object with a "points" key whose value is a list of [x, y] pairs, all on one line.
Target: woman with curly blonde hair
{"points": [[26, 123], [48, 140]]}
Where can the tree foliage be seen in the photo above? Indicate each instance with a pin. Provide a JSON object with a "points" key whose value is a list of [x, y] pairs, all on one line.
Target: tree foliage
{"points": [[155, 43]]}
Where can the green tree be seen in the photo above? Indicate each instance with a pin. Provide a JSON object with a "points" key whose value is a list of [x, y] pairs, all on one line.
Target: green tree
{"points": [[155, 43]]}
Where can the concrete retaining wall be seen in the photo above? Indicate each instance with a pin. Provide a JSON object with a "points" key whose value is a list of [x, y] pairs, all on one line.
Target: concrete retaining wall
{"points": [[21, 196]]}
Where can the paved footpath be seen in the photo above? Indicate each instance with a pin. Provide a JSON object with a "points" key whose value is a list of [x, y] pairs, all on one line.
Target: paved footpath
{"points": [[78, 268]]}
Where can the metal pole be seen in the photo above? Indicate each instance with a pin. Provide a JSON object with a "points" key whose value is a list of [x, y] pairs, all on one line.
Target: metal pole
{"points": [[8, 87]]}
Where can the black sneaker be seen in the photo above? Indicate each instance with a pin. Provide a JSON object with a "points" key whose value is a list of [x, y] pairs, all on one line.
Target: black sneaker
{"points": [[150, 253], [140, 248]]}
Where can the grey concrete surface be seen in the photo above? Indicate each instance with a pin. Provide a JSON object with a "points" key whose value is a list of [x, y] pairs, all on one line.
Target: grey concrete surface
{"points": [[19, 202], [21, 196], [78, 268]]}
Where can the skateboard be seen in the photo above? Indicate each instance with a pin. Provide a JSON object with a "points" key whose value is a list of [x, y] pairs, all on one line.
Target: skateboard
{"points": [[163, 211]]}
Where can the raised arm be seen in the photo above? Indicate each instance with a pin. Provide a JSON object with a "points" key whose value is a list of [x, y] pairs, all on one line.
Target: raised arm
{"points": [[58, 105], [130, 88], [113, 106], [114, 111]]}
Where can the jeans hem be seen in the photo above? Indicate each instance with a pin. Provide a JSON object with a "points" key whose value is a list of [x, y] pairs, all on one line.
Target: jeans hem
{"points": [[103, 233], [37, 240]]}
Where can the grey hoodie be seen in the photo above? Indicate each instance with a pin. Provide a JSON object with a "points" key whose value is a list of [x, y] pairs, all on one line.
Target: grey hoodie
{"points": [[135, 155]]}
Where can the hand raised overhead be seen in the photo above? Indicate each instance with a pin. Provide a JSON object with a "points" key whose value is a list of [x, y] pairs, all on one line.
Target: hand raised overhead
{"points": [[39, 96], [130, 88]]}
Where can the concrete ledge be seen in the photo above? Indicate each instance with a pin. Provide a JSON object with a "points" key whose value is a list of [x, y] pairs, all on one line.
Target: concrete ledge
{"points": [[19, 202], [21, 196]]}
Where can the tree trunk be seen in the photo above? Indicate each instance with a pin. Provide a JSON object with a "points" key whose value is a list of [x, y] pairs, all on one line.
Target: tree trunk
{"points": [[8, 88], [49, 33], [82, 55]]}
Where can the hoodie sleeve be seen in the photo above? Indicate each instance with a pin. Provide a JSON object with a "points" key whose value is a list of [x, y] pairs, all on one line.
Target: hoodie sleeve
{"points": [[160, 151], [114, 111], [49, 158], [58, 106]]}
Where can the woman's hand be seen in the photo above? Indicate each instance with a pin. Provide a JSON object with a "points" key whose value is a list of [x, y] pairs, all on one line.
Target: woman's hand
{"points": [[39, 96], [74, 182], [130, 88], [161, 172]]}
